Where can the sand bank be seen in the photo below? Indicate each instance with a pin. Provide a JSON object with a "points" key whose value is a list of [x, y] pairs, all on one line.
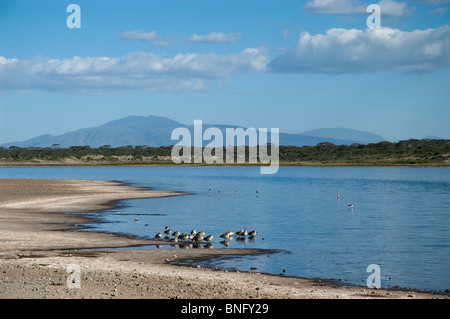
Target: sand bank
{"points": [[36, 249]]}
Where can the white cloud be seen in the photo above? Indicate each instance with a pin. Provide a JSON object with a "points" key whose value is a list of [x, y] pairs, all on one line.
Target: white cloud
{"points": [[335, 6], [432, 2], [138, 70], [139, 35], [214, 37], [396, 9], [367, 51], [162, 43], [441, 10], [340, 7], [153, 38]]}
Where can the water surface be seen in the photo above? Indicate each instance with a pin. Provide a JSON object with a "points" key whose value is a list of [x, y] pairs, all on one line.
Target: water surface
{"points": [[400, 219]]}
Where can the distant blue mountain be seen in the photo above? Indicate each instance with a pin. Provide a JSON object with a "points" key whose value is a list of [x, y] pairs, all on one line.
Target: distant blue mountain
{"points": [[156, 131], [361, 137]]}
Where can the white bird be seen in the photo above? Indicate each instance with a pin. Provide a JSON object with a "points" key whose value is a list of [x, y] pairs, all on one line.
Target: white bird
{"points": [[228, 234], [183, 236], [158, 235], [350, 205], [198, 238], [201, 233], [242, 232]]}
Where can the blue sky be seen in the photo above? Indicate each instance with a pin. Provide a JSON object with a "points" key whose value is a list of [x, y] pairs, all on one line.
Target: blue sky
{"points": [[292, 65]]}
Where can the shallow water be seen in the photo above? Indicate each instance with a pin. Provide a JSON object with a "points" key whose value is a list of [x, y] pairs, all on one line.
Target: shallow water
{"points": [[400, 219]]}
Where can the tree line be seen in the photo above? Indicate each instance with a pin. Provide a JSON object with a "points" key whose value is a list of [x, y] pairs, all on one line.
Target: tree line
{"points": [[407, 152]]}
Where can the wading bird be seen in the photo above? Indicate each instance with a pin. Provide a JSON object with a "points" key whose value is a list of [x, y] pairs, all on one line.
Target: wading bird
{"points": [[252, 233]]}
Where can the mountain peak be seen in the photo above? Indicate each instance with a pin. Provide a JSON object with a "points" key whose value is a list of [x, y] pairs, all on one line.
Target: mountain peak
{"points": [[151, 120]]}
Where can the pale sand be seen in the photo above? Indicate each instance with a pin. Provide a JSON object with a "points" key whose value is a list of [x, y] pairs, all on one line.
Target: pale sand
{"points": [[36, 248]]}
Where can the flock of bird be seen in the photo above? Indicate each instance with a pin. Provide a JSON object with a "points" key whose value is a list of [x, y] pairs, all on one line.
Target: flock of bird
{"points": [[199, 237], [220, 192], [194, 236]]}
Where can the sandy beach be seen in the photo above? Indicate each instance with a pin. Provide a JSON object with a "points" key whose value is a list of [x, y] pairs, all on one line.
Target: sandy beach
{"points": [[37, 247]]}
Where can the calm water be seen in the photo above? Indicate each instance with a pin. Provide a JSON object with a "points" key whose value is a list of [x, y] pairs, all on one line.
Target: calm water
{"points": [[400, 219]]}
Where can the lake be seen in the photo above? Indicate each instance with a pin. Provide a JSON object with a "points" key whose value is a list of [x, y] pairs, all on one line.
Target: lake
{"points": [[400, 219]]}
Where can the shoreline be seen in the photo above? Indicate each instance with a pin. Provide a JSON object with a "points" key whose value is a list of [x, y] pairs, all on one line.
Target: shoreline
{"points": [[36, 249], [171, 164]]}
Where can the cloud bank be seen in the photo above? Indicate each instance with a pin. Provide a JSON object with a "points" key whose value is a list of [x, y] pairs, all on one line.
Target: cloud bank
{"points": [[137, 70], [354, 51], [337, 51]]}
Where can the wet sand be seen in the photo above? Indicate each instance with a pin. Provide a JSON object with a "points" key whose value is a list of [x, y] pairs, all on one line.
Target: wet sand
{"points": [[37, 246]]}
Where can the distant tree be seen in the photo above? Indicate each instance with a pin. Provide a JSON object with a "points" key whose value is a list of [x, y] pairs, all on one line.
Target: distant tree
{"points": [[325, 144]]}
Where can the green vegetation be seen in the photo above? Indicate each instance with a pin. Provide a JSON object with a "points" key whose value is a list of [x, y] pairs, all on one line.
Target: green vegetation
{"points": [[404, 153], [409, 152]]}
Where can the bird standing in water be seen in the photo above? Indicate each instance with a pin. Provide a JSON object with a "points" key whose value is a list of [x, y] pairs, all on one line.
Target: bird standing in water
{"points": [[252, 233]]}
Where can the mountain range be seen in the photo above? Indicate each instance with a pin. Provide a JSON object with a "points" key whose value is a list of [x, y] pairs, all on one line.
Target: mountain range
{"points": [[156, 131]]}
